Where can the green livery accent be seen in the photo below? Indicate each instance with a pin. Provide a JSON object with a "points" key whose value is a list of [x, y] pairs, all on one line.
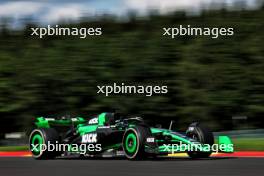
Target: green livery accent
{"points": [[156, 130], [83, 129], [87, 129], [101, 119], [226, 143], [42, 122], [166, 132]]}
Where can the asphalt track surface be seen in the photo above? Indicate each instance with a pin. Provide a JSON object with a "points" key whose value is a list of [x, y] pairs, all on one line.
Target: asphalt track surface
{"points": [[27, 166]]}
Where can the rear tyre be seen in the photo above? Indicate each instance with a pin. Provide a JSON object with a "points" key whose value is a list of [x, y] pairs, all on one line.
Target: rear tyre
{"points": [[202, 135], [38, 138], [133, 142]]}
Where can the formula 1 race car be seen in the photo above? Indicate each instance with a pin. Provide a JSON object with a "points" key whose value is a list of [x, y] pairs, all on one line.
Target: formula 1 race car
{"points": [[110, 132]]}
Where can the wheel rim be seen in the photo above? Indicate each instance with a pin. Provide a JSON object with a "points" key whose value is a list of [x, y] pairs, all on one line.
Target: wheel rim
{"points": [[131, 143], [37, 140]]}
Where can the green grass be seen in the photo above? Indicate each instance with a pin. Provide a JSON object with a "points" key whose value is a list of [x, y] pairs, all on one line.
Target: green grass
{"points": [[250, 144], [13, 148]]}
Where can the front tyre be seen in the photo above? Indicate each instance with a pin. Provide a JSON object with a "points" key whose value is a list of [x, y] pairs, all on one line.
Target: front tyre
{"points": [[202, 135], [133, 142]]}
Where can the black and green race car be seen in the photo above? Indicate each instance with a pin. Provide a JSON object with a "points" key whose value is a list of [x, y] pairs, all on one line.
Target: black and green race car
{"points": [[121, 136]]}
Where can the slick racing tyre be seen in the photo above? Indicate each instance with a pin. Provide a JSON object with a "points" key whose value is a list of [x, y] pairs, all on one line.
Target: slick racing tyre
{"points": [[133, 142], [42, 137], [202, 135]]}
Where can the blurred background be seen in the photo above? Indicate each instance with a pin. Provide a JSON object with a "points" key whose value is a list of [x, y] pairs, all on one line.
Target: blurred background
{"points": [[219, 82]]}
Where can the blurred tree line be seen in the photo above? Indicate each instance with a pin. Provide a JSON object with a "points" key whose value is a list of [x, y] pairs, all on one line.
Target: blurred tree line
{"points": [[209, 80]]}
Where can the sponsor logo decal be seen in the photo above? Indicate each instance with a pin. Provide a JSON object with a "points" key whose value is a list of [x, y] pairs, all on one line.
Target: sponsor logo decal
{"points": [[89, 138], [93, 121], [150, 139]]}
